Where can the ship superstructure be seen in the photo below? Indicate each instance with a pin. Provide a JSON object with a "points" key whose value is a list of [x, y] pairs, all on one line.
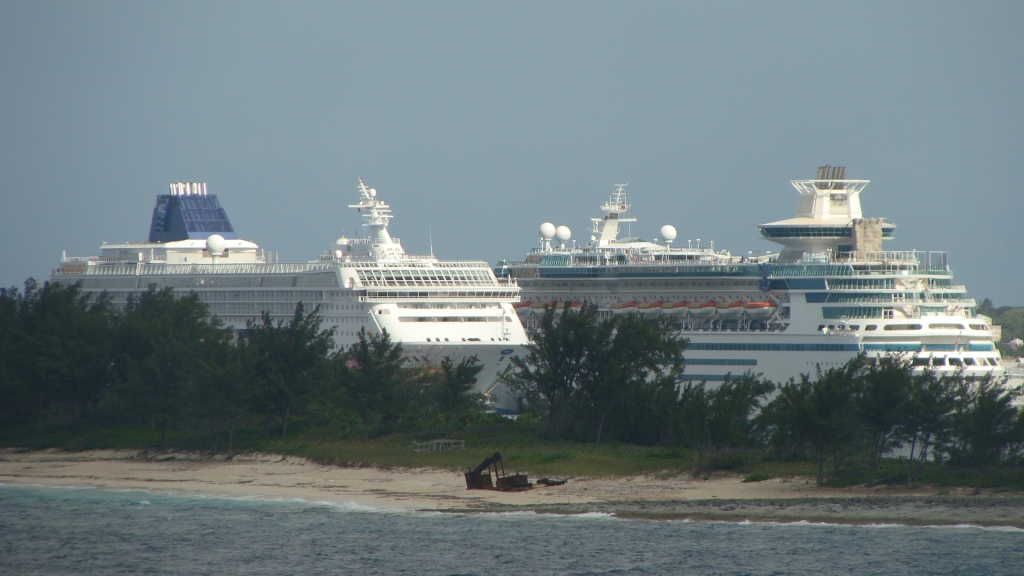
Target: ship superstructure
{"points": [[829, 294], [435, 308]]}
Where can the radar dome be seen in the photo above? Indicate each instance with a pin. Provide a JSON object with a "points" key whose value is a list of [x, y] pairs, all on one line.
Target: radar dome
{"points": [[563, 233], [668, 232], [215, 244], [373, 192], [547, 230], [342, 241]]}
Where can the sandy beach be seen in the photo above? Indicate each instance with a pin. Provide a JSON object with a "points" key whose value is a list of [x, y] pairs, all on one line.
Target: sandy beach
{"points": [[721, 497]]}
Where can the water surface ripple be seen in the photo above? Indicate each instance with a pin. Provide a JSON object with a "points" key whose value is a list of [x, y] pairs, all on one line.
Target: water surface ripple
{"points": [[84, 531]]}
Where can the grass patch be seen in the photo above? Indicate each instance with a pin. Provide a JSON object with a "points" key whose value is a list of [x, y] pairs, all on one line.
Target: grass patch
{"points": [[523, 448]]}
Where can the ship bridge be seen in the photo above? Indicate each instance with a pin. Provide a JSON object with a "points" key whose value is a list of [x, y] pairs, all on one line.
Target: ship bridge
{"points": [[829, 221]]}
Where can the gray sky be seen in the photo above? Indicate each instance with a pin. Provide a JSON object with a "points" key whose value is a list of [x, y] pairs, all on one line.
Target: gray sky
{"points": [[480, 120]]}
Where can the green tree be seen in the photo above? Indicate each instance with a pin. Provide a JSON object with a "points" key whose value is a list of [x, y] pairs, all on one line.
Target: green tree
{"points": [[452, 390], [290, 357], [221, 396], [17, 395], [633, 365], [694, 413], [818, 414], [592, 376], [927, 417], [161, 342], [722, 418], [557, 360], [882, 402], [985, 423], [371, 374], [56, 344]]}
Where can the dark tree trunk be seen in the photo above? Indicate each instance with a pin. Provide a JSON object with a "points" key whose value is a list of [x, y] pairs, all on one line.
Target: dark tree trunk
{"points": [[284, 430], [600, 427], [820, 453], [215, 431], [231, 440], [876, 455], [910, 464]]}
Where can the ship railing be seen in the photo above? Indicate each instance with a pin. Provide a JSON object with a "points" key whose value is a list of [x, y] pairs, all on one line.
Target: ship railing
{"points": [[79, 259], [371, 241], [160, 269], [881, 257], [426, 263], [900, 299], [933, 260]]}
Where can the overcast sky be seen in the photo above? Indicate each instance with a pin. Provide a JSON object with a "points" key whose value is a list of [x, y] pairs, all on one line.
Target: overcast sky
{"points": [[477, 121]]}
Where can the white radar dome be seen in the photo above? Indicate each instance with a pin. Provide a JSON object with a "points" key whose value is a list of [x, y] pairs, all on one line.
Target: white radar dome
{"points": [[547, 230], [342, 241], [373, 192], [215, 244], [563, 233], [668, 232]]}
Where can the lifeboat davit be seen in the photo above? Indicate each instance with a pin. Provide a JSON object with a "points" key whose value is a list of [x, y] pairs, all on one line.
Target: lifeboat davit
{"points": [[624, 307], [680, 307], [703, 309], [650, 307], [730, 309], [760, 309]]}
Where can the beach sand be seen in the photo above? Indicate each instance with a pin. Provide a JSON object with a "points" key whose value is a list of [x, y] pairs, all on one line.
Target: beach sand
{"points": [[721, 497]]}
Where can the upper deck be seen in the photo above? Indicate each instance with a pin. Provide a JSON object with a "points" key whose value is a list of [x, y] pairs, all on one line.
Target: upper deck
{"points": [[848, 264]]}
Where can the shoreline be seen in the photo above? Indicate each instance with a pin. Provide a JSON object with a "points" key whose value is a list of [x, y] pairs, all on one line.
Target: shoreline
{"points": [[722, 498]]}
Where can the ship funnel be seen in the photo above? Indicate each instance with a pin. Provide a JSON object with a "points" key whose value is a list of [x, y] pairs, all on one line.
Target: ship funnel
{"points": [[827, 172]]}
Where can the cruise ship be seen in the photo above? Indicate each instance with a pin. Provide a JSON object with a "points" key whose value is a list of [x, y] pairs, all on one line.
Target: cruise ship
{"points": [[830, 293], [435, 308]]}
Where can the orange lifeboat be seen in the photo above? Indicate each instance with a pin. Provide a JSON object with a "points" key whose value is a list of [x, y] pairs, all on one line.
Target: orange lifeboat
{"points": [[680, 307], [760, 309], [624, 307], [650, 307], [703, 309], [730, 309]]}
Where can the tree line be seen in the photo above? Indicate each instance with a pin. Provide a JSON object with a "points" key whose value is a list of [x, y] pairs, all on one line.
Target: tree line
{"points": [[623, 379], [162, 361]]}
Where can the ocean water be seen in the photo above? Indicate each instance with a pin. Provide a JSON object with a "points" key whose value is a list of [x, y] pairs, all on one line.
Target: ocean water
{"points": [[85, 531]]}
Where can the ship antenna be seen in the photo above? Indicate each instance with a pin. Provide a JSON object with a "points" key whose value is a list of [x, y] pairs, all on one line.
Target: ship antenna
{"points": [[430, 231]]}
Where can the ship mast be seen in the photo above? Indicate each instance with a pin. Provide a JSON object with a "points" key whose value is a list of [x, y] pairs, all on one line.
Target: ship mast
{"points": [[606, 228], [376, 217]]}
